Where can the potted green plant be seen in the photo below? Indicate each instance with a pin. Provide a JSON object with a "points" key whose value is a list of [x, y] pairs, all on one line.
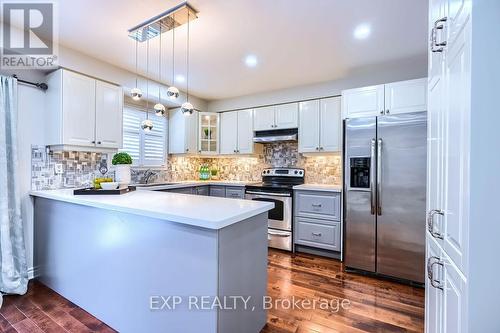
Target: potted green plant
{"points": [[122, 162]]}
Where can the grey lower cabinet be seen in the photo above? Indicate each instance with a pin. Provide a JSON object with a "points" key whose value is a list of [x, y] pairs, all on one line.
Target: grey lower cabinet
{"points": [[217, 191], [201, 190], [182, 190], [235, 192], [317, 220]]}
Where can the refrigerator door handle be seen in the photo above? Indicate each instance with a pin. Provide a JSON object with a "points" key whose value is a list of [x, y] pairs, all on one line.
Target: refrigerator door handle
{"points": [[373, 195], [379, 176]]}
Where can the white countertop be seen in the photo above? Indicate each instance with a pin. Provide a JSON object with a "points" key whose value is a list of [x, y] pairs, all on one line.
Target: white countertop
{"points": [[201, 211], [189, 183], [319, 187]]}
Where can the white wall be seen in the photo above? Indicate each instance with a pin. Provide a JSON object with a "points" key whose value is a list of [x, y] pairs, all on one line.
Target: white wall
{"points": [[412, 68]]}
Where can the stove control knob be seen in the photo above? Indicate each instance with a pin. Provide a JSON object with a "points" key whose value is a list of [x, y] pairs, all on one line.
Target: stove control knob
{"points": [[296, 172], [301, 172]]}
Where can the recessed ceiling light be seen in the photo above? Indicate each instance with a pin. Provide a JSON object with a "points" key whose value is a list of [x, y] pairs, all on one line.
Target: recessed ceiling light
{"points": [[180, 78], [251, 60], [362, 31]]}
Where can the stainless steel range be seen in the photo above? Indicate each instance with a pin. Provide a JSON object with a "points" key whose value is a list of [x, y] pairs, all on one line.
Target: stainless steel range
{"points": [[277, 187]]}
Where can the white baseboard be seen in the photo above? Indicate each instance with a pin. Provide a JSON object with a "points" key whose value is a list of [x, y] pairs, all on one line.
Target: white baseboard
{"points": [[32, 273]]}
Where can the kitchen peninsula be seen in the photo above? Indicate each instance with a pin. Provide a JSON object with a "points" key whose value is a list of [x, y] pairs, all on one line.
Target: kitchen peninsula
{"points": [[120, 257]]}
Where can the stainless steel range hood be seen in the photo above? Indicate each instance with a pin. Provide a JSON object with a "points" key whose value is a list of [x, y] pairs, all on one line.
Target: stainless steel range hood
{"points": [[275, 135]]}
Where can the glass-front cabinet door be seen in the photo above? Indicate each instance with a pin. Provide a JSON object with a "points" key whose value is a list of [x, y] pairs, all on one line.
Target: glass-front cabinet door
{"points": [[209, 133]]}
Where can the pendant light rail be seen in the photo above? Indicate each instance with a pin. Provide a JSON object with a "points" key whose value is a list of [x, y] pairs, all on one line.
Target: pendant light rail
{"points": [[168, 20]]}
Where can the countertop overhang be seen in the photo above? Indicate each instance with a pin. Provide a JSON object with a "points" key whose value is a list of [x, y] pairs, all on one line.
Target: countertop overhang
{"points": [[201, 211]]}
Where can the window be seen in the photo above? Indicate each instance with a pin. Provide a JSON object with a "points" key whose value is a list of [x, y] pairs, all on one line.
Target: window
{"points": [[146, 149]]}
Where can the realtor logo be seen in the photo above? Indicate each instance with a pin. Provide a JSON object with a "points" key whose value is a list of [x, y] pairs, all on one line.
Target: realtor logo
{"points": [[28, 35]]}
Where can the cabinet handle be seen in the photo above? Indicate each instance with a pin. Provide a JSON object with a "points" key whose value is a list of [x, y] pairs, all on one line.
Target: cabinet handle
{"points": [[382, 112], [93, 142], [317, 234], [321, 148], [387, 111], [98, 142], [430, 223], [435, 45], [317, 148], [187, 149], [316, 205], [430, 271]]}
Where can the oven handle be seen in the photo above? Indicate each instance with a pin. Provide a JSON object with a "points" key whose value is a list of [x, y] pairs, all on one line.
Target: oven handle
{"points": [[270, 194]]}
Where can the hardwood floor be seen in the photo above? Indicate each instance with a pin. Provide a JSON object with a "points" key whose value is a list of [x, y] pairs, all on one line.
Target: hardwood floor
{"points": [[370, 305]]}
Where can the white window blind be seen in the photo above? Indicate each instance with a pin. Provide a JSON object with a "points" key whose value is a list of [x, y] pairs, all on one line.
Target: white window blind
{"points": [[145, 148]]}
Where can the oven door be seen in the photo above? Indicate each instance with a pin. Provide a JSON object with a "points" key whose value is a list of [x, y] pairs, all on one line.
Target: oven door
{"points": [[280, 217]]}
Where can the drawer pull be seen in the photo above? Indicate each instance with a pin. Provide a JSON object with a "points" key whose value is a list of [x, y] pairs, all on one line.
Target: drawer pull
{"points": [[316, 205], [317, 234]]}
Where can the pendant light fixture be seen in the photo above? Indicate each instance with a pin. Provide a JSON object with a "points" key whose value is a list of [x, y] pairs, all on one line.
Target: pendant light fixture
{"points": [[187, 108], [159, 108], [147, 124], [172, 91], [136, 93]]}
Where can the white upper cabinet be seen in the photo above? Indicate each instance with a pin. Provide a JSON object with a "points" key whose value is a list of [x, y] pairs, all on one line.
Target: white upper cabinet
{"points": [[78, 109], [264, 118], [237, 132], [228, 132], [245, 132], [183, 133], [363, 102], [287, 116], [208, 135], [406, 96], [108, 110], [320, 125], [309, 126], [385, 99], [83, 112], [276, 117], [330, 124]]}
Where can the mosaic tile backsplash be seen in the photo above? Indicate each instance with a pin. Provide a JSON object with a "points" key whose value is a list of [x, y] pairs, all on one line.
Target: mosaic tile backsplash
{"points": [[80, 168]]}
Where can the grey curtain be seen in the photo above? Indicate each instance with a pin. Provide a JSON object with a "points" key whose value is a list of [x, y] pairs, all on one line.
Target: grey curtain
{"points": [[13, 268]]}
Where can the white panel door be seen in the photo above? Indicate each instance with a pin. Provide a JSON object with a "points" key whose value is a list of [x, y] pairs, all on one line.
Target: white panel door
{"points": [[108, 115], [406, 96], [435, 159], [264, 118], [434, 296], [330, 125], [176, 132], [454, 312], [363, 102], [228, 132], [245, 132], [78, 109], [457, 148], [309, 126], [192, 133], [287, 116]]}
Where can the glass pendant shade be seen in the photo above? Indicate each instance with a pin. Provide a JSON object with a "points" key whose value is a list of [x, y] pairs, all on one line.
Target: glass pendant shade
{"points": [[147, 125], [136, 94], [187, 108], [159, 109], [172, 92]]}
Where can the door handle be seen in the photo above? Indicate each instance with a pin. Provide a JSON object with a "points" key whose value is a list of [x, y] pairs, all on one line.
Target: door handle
{"points": [[372, 177], [379, 177], [430, 223]]}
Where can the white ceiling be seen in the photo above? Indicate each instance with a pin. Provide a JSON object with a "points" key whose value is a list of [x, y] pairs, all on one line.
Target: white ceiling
{"points": [[296, 41]]}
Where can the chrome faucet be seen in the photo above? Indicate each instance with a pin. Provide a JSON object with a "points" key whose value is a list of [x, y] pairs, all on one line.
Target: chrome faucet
{"points": [[147, 175]]}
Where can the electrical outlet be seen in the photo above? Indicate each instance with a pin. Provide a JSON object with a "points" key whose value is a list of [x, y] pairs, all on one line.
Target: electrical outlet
{"points": [[58, 169]]}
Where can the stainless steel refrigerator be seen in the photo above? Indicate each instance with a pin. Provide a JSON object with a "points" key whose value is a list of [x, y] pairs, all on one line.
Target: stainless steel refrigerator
{"points": [[385, 191]]}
